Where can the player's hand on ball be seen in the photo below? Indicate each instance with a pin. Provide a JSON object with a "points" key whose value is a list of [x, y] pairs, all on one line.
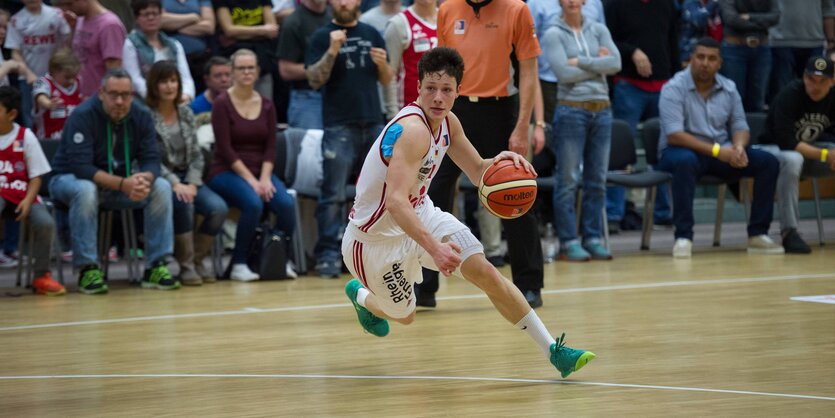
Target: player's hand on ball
{"points": [[518, 160], [447, 258]]}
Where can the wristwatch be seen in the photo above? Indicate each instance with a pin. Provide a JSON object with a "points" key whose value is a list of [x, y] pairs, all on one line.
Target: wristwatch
{"points": [[540, 123]]}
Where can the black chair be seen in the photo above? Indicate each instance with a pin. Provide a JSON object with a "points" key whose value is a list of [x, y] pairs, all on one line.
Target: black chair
{"points": [[622, 157], [814, 175], [651, 136]]}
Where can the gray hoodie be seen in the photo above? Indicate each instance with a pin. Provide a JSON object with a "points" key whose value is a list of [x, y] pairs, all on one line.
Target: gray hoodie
{"points": [[586, 81]]}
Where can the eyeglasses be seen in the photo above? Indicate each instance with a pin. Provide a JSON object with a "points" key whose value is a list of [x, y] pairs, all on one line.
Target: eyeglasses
{"points": [[149, 15], [115, 95], [250, 68]]}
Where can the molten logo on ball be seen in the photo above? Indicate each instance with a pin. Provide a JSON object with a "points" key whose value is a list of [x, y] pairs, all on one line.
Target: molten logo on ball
{"points": [[507, 191]]}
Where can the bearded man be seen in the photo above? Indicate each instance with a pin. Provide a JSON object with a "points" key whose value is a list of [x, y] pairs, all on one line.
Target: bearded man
{"points": [[346, 58]]}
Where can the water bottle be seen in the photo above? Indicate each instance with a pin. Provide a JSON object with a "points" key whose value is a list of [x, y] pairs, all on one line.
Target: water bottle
{"points": [[549, 244]]}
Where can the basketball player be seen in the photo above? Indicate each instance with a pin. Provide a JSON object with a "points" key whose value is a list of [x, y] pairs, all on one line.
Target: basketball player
{"points": [[394, 227]]}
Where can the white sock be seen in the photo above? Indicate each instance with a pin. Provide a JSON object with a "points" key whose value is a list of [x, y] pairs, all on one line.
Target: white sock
{"points": [[362, 293], [537, 331]]}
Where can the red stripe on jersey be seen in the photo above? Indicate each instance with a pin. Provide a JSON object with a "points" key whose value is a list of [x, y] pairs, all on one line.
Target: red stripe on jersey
{"points": [[377, 213]]}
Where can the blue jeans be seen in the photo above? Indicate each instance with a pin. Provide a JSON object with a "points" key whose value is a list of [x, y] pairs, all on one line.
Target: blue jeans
{"points": [[582, 140], [26, 104], [342, 146], [206, 203], [633, 105], [305, 109], [83, 198], [237, 193], [687, 166], [749, 68]]}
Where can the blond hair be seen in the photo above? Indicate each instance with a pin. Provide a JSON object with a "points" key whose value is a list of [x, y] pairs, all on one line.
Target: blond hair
{"points": [[63, 59]]}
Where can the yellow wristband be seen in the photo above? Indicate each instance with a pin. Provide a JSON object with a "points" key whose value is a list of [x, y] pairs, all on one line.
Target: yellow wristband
{"points": [[824, 154], [716, 148]]}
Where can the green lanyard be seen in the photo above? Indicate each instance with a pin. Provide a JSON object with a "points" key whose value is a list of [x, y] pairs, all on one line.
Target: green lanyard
{"points": [[110, 151]]}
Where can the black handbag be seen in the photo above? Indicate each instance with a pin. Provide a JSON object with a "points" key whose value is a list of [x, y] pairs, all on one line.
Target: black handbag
{"points": [[268, 257]]}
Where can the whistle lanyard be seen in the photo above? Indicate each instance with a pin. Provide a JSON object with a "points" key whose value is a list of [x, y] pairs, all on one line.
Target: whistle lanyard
{"points": [[110, 151]]}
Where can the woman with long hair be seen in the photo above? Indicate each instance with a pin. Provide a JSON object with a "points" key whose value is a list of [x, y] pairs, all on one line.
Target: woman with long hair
{"points": [[244, 124], [182, 165]]}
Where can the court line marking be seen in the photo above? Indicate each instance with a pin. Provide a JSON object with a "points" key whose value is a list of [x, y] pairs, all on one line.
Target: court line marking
{"points": [[251, 310], [442, 378]]}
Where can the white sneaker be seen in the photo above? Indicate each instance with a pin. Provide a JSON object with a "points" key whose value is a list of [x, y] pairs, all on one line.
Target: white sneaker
{"points": [[291, 270], [683, 248], [763, 244], [242, 273]]}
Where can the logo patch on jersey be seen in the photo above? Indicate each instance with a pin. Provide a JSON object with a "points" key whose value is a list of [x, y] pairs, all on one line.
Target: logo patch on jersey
{"points": [[446, 140], [459, 27], [19, 166], [78, 138], [17, 146], [416, 27]]}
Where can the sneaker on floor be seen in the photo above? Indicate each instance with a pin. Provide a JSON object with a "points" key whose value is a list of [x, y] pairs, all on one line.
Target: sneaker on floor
{"points": [[241, 272], [424, 299], [91, 281], [763, 244], [614, 227], [794, 244], [574, 252], [291, 270], [683, 248], [45, 285], [597, 251], [568, 360], [6, 261], [158, 277], [329, 268], [371, 323], [534, 298]]}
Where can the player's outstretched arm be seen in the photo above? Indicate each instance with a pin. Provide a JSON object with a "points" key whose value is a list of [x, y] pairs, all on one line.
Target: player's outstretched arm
{"points": [[404, 164]]}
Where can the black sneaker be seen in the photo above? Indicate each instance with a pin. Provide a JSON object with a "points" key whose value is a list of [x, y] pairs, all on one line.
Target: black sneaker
{"points": [[424, 299], [329, 268], [91, 280], [793, 244], [158, 277], [534, 298]]}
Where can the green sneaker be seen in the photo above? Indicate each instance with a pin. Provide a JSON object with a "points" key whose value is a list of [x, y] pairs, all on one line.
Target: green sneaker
{"points": [[158, 277], [567, 359], [91, 281], [371, 323]]}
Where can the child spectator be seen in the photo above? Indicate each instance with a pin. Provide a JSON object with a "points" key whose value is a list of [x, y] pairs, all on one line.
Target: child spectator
{"points": [[34, 33], [57, 94], [20, 148]]}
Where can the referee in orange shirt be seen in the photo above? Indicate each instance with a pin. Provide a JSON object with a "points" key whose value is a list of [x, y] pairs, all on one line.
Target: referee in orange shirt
{"points": [[495, 114]]}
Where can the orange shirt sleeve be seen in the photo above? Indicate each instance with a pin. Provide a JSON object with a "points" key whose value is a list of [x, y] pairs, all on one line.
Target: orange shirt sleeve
{"points": [[524, 35], [441, 25]]}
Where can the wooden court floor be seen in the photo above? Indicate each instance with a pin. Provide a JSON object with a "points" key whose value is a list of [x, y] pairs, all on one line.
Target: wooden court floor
{"points": [[718, 335]]}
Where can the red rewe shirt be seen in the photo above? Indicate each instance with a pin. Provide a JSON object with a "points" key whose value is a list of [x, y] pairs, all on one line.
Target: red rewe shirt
{"points": [[422, 38], [14, 174]]}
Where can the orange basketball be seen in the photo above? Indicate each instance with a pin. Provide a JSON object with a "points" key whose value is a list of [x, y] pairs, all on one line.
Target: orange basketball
{"points": [[507, 191]]}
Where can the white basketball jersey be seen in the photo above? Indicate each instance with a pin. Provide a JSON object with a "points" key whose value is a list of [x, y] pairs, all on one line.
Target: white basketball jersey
{"points": [[369, 213]]}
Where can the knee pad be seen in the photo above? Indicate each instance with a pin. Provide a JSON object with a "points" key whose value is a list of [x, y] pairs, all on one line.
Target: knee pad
{"points": [[469, 245]]}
